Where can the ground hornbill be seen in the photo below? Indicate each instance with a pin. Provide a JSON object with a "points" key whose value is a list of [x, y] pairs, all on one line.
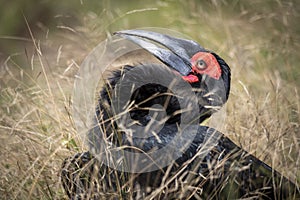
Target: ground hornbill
{"points": [[211, 166]]}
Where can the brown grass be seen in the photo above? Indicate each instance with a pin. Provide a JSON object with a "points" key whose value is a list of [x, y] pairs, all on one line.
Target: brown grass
{"points": [[263, 112]]}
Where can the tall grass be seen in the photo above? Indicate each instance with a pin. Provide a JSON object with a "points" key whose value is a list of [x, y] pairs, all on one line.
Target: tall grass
{"points": [[259, 40]]}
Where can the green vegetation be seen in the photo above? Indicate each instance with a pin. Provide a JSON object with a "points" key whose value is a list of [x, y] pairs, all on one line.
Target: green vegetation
{"points": [[260, 40]]}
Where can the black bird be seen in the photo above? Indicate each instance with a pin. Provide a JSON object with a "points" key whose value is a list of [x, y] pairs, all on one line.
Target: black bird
{"points": [[211, 166]]}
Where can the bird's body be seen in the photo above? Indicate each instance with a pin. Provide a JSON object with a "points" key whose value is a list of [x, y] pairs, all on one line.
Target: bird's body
{"points": [[221, 170], [205, 163]]}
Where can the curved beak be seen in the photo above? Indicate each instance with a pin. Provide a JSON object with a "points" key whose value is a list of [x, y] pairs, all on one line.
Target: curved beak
{"points": [[174, 52]]}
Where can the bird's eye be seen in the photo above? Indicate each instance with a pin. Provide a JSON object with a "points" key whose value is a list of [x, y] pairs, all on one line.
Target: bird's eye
{"points": [[201, 64]]}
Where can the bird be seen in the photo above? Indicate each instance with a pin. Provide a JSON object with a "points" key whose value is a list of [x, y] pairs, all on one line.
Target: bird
{"points": [[205, 163]]}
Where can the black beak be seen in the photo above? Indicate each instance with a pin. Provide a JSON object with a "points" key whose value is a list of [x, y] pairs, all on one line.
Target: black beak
{"points": [[176, 54]]}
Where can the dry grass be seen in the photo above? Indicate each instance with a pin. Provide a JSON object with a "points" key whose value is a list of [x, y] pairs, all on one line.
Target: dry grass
{"points": [[263, 112]]}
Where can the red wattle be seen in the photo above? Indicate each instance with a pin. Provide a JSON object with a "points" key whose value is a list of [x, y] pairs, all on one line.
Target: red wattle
{"points": [[191, 78]]}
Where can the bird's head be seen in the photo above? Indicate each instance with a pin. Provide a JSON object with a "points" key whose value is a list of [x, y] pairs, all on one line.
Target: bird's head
{"points": [[204, 70]]}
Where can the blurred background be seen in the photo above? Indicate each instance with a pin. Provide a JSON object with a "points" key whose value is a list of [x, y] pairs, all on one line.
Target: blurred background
{"points": [[42, 44]]}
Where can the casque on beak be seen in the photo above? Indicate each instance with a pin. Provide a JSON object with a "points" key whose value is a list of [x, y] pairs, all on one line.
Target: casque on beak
{"points": [[176, 54]]}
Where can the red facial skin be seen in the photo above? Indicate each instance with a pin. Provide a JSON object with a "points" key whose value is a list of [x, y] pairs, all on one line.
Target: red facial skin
{"points": [[203, 63]]}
